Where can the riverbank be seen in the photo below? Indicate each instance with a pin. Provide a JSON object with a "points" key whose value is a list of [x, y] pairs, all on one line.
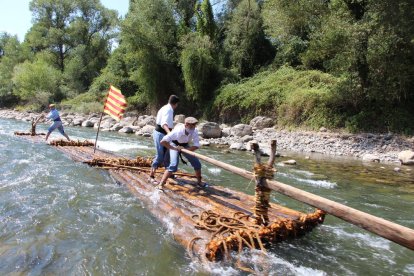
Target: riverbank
{"points": [[384, 148]]}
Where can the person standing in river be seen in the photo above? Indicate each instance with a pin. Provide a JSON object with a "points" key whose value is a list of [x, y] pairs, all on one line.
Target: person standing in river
{"points": [[57, 122], [165, 123]]}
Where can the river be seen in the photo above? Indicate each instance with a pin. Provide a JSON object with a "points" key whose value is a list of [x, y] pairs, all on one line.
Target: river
{"points": [[58, 217]]}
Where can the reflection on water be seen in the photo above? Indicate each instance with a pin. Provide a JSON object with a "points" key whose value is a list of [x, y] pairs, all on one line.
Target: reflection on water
{"points": [[62, 217]]}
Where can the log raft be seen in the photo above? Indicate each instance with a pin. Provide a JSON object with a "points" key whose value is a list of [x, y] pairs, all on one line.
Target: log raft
{"points": [[209, 222]]}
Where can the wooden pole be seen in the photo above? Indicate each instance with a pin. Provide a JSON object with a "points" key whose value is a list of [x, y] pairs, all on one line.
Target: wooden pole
{"points": [[97, 133], [394, 232]]}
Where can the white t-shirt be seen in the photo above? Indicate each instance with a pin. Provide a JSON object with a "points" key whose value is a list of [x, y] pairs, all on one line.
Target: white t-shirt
{"points": [[165, 116], [178, 133]]}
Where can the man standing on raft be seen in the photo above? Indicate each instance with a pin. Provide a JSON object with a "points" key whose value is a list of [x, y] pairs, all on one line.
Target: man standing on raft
{"points": [[57, 122], [165, 123], [180, 138]]}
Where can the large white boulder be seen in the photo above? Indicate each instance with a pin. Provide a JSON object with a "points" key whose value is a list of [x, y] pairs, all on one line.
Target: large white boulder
{"points": [[179, 119], [261, 122], [241, 130], [127, 121], [370, 158], [210, 130], [146, 120], [146, 131], [88, 123], [126, 129], [406, 157]]}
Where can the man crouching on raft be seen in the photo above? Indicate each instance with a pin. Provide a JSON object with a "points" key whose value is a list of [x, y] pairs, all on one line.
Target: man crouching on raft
{"points": [[179, 138], [57, 122]]}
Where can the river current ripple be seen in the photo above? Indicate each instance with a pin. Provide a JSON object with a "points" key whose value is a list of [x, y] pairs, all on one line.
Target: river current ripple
{"points": [[62, 217]]}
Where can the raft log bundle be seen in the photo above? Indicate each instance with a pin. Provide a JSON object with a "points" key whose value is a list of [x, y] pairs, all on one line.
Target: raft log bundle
{"points": [[209, 222]]}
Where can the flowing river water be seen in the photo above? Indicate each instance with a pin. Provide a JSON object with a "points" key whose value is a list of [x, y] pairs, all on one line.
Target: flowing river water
{"points": [[59, 217]]}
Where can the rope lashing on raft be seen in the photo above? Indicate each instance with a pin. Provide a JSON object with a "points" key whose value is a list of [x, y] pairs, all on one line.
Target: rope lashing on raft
{"points": [[228, 233], [233, 233], [64, 143], [262, 194]]}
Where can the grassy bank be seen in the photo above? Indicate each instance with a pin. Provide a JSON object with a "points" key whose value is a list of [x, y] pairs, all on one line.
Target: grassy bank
{"points": [[293, 98]]}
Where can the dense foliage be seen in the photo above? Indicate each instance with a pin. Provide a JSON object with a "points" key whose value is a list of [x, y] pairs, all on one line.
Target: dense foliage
{"points": [[337, 63]]}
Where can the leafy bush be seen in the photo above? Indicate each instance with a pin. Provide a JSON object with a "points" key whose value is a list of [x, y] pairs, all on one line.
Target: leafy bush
{"points": [[85, 103], [138, 101], [37, 82], [290, 96]]}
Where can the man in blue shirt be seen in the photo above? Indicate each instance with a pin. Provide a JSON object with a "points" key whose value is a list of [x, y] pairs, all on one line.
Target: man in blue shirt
{"points": [[57, 122]]}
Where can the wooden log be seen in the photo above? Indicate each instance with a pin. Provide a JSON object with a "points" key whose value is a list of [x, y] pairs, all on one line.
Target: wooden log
{"points": [[183, 228], [181, 203], [394, 232], [144, 169]]}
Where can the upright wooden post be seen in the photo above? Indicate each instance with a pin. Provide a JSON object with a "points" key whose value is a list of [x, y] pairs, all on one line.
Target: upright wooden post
{"points": [[34, 123], [262, 193], [97, 133]]}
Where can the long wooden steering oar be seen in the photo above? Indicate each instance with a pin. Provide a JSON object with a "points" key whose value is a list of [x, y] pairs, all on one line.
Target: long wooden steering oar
{"points": [[384, 228]]}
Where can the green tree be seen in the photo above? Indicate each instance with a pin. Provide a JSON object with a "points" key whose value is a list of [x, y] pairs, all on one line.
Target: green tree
{"points": [[199, 68], [205, 19], [149, 35], [12, 52], [369, 44], [290, 24], [245, 40], [51, 27], [77, 33], [117, 73], [36, 83]]}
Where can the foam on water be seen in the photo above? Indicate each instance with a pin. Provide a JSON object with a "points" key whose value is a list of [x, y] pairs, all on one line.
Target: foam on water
{"points": [[215, 171], [306, 173], [312, 182], [364, 239], [318, 183], [62, 217], [409, 269], [24, 161]]}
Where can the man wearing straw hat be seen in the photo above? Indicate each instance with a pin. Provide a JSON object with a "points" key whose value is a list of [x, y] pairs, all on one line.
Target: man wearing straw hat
{"points": [[180, 138], [57, 122]]}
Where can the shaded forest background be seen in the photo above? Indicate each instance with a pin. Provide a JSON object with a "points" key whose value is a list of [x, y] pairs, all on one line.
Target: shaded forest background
{"points": [[333, 63]]}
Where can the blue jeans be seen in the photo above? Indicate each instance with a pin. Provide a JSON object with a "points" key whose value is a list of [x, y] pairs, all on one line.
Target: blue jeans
{"points": [[162, 156], [56, 125], [195, 163]]}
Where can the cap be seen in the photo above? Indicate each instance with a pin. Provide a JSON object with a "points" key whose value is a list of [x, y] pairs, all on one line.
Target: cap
{"points": [[51, 105], [190, 120]]}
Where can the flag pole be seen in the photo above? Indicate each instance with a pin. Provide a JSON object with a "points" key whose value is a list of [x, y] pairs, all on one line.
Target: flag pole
{"points": [[114, 106], [97, 133]]}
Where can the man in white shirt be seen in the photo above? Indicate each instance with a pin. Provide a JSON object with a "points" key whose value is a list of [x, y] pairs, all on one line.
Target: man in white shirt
{"points": [[165, 123], [181, 137]]}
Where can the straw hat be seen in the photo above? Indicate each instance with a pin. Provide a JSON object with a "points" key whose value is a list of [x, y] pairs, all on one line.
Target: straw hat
{"points": [[51, 105], [190, 120]]}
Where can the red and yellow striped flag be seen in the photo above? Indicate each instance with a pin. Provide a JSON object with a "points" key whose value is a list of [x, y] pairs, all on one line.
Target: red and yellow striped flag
{"points": [[115, 103]]}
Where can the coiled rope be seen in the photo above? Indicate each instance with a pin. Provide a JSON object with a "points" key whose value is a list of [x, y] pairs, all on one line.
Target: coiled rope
{"points": [[228, 233]]}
